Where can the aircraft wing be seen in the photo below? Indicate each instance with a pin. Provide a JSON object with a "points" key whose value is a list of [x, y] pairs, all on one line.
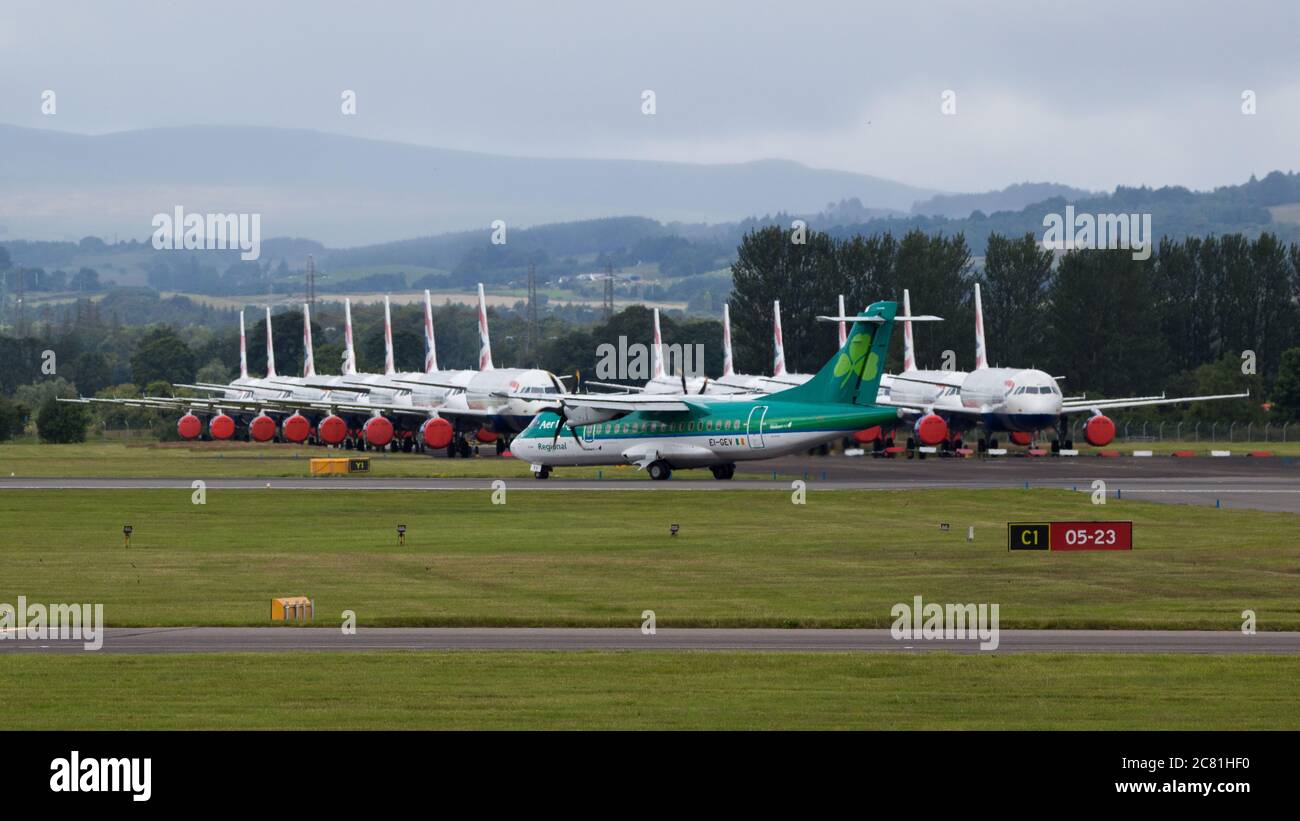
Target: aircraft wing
{"points": [[614, 385], [626, 403], [408, 410], [1139, 402]]}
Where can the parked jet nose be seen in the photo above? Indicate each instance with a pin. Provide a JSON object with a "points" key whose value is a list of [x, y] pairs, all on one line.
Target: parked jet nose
{"points": [[1035, 394]]}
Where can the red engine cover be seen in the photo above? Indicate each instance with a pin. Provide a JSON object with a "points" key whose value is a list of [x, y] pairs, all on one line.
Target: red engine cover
{"points": [[296, 428], [378, 431], [189, 426], [1099, 431], [332, 430], [436, 433], [866, 437], [262, 428], [1022, 438], [485, 435], [221, 426], [931, 429]]}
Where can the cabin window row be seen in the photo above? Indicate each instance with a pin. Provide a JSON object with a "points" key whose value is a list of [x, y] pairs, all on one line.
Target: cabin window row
{"points": [[699, 426]]}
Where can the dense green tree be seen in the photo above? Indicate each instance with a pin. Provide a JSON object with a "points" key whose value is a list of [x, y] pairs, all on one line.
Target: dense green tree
{"points": [[805, 277], [61, 423], [12, 415], [43, 390], [1014, 295], [162, 355], [936, 270], [215, 372], [91, 372], [1286, 388], [1104, 324]]}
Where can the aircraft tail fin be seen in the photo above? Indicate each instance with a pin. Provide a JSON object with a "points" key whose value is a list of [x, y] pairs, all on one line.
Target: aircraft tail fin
{"points": [[778, 344], [243, 349], [909, 350], [853, 374], [484, 341], [308, 358], [390, 366], [981, 354], [657, 351], [728, 366], [349, 353], [430, 350], [270, 347], [844, 329]]}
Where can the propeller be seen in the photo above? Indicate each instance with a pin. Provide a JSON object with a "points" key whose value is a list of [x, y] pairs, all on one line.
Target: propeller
{"points": [[562, 410]]}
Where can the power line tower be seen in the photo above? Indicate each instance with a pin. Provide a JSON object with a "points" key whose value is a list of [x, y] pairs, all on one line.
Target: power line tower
{"points": [[532, 338], [609, 291]]}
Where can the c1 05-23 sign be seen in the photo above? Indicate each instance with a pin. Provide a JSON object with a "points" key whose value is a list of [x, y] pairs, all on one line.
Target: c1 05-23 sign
{"points": [[1069, 535]]}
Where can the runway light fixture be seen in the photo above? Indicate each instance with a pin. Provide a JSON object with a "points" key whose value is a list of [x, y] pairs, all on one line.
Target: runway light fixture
{"points": [[401, 535], [126, 534], [672, 529], [944, 527]]}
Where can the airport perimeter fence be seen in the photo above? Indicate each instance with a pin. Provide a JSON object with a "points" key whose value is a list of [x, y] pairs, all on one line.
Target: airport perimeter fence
{"points": [[1211, 432]]}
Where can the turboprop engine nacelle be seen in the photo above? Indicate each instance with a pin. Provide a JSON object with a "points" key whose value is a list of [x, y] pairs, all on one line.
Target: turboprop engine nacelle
{"points": [[588, 416]]}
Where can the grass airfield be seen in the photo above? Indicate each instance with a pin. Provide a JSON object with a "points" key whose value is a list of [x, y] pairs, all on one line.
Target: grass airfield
{"points": [[599, 559], [649, 690], [741, 559]]}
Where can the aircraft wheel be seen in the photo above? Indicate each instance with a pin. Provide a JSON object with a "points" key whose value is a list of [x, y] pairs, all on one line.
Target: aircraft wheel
{"points": [[501, 445], [723, 472], [659, 471], [465, 450], [544, 473]]}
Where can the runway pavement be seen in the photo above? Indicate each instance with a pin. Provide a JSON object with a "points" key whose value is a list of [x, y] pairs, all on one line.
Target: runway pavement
{"points": [[322, 639], [1262, 484]]}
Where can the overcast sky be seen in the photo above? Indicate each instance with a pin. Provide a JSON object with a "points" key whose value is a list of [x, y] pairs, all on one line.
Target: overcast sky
{"points": [[1092, 94]]}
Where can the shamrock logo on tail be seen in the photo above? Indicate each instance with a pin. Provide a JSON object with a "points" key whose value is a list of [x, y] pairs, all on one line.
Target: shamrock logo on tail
{"points": [[859, 360]]}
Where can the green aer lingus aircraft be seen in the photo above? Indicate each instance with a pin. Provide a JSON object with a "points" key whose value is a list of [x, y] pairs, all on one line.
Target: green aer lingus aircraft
{"points": [[663, 432]]}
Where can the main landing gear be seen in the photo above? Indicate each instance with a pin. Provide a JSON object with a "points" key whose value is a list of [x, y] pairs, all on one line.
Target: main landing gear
{"points": [[660, 470], [1062, 440], [459, 447], [723, 472]]}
